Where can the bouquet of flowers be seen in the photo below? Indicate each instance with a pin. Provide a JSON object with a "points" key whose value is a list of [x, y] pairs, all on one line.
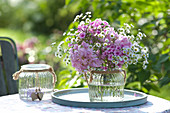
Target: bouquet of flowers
{"points": [[95, 45]]}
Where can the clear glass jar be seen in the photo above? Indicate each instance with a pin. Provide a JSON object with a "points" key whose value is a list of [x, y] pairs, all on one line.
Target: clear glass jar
{"points": [[35, 80], [107, 86]]}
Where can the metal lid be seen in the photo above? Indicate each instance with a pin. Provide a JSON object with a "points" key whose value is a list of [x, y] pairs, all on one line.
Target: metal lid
{"points": [[35, 67]]}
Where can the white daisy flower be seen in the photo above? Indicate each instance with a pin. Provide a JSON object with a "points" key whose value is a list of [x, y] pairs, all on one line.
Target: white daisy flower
{"points": [[90, 46], [121, 30], [65, 50], [112, 36], [136, 49], [116, 62], [105, 44], [130, 61], [81, 15], [60, 55], [131, 25], [56, 54], [65, 59], [87, 13], [125, 58], [88, 20], [98, 44], [71, 29], [64, 33], [84, 17], [140, 35], [99, 27], [73, 40], [124, 51], [106, 40]]}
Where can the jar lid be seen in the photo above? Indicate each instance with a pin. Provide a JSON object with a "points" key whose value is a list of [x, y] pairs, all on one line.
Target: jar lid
{"points": [[35, 67]]}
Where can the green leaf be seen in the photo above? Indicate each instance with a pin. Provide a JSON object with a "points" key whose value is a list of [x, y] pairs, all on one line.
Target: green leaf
{"points": [[167, 66], [133, 85], [64, 73], [143, 75], [165, 80], [154, 87], [62, 83], [163, 58], [67, 2]]}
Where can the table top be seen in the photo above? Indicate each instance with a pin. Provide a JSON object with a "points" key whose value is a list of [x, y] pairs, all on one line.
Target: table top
{"points": [[13, 104]]}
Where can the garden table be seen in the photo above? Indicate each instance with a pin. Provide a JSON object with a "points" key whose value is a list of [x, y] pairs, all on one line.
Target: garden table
{"points": [[13, 104]]}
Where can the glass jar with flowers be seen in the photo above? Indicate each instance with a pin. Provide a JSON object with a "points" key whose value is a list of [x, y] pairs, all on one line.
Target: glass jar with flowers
{"points": [[99, 51]]}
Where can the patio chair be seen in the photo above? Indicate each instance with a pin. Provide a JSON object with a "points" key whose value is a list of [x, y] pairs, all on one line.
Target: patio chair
{"points": [[8, 66]]}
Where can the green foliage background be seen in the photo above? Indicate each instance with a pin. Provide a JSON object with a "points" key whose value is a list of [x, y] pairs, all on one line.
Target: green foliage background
{"points": [[47, 20]]}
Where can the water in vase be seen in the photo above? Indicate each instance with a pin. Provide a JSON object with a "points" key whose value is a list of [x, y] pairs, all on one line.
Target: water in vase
{"points": [[106, 93]]}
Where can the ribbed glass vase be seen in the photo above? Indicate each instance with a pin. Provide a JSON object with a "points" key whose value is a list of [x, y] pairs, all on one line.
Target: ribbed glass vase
{"points": [[35, 80], [107, 86]]}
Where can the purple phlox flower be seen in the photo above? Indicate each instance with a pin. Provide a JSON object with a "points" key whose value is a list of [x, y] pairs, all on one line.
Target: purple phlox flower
{"points": [[75, 46], [91, 41], [84, 58], [90, 30], [104, 68], [116, 35], [118, 48], [104, 54], [79, 27], [119, 65], [113, 50], [69, 45], [105, 31], [85, 27], [98, 21], [84, 44], [112, 46], [110, 57], [105, 23], [98, 31], [117, 52], [125, 42], [109, 50], [82, 34], [91, 23], [117, 41], [98, 52]]}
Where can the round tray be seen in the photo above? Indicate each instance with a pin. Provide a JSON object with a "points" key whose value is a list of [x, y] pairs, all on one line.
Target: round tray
{"points": [[79, 97]]}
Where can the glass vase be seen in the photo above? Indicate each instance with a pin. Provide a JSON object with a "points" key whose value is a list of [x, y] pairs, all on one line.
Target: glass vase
{"points": [[35, 81], [107, 86]]}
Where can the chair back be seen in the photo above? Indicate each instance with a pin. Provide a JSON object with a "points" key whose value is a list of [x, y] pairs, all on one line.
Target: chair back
{"points": [[8, 66]]}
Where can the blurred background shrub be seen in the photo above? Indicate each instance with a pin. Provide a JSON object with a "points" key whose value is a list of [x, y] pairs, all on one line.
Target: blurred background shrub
{"points": [[35, 24]]}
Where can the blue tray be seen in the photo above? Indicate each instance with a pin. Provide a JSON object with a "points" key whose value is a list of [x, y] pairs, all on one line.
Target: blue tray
{"points": [[79, 97]]}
